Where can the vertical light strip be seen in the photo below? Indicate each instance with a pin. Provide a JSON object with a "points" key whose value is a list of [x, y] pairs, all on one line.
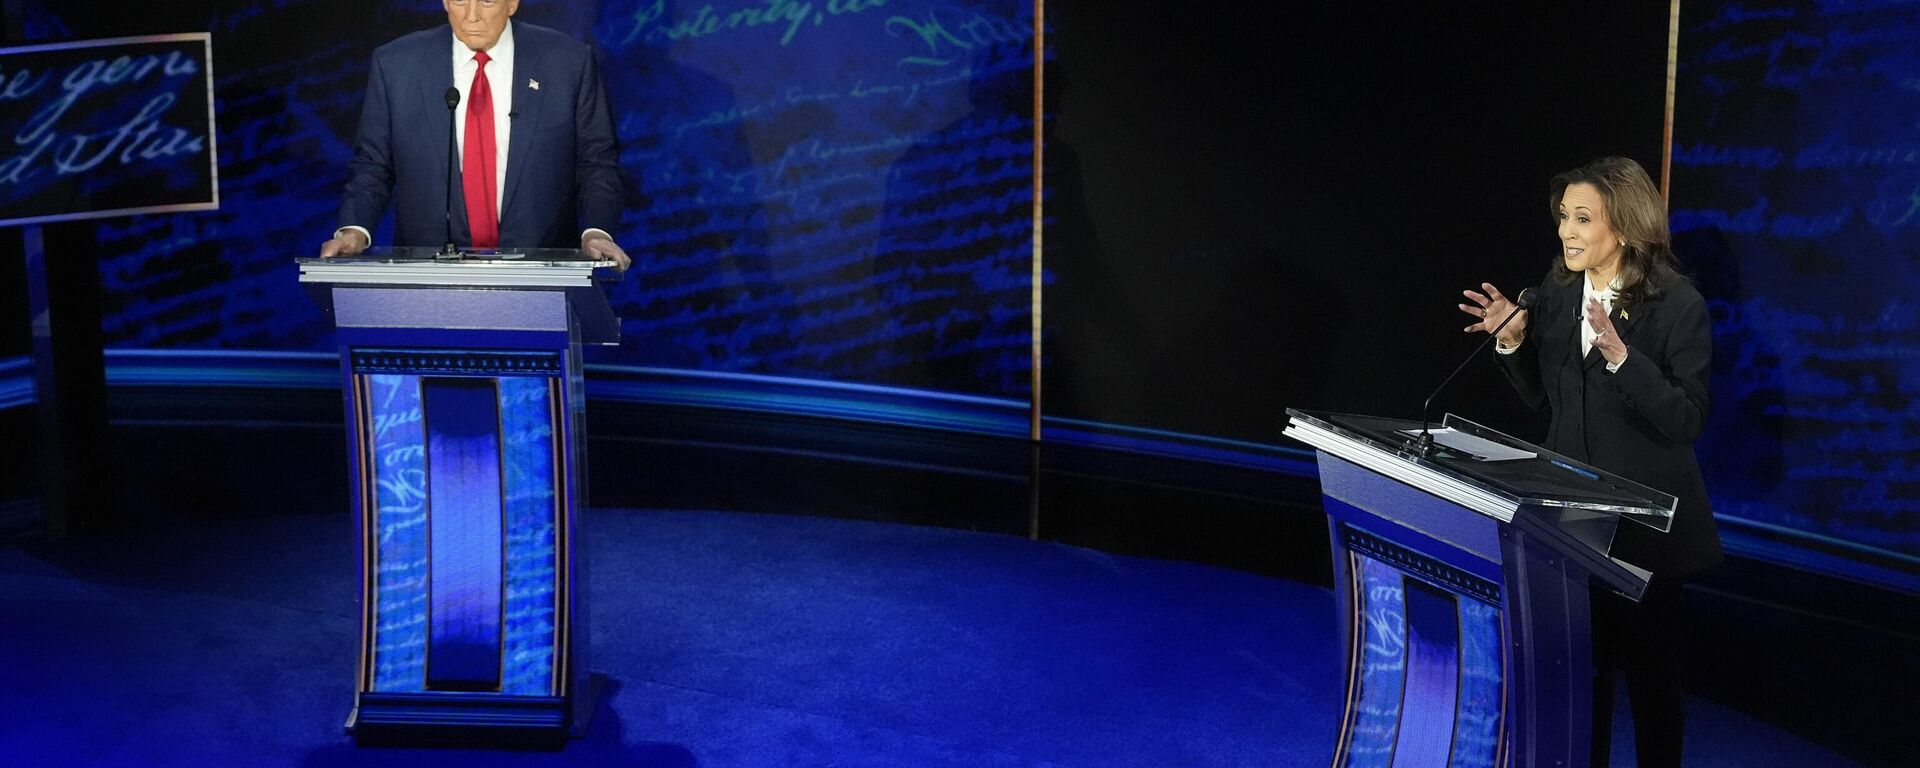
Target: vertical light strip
{"points": [[1039, 171], [213, 134], [565, 471], [363, 447], [1356, 637], [1673, 71], [46, 381]]}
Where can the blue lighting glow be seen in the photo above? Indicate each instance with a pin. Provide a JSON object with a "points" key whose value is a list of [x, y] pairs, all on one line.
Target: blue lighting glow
{"points": [[16, 382]]}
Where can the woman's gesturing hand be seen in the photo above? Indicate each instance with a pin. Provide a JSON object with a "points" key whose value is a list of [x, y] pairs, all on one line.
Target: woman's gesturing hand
{"points": [[1611, 346], [1492, 308]]}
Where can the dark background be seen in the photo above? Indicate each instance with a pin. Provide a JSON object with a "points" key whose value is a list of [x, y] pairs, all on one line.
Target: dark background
{"points": [[1283, 208]]}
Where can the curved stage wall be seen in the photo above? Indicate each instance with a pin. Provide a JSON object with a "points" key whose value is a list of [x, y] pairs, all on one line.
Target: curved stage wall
{"points": [[837, 211]]}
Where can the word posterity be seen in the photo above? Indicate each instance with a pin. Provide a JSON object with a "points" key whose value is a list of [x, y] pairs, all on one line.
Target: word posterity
{"points": [[107, 128]]}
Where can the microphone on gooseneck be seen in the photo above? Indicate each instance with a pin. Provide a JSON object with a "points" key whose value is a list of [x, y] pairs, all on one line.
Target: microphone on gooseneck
{"points": [[1526, 301], [453, 102]]}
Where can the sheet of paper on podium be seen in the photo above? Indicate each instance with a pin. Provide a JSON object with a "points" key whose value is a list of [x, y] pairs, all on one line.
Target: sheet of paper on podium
{"points": [[1477, 447]]}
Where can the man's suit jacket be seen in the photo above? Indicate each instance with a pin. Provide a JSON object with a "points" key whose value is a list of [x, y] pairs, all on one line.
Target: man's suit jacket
{"points": [[1639, 422], [562, 168]]}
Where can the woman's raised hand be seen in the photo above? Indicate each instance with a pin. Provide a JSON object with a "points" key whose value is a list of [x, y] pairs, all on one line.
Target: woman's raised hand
{"points": [[1492, 309]]}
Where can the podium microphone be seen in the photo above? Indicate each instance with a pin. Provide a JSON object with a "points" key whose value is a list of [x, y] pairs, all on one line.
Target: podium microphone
{"points": [[453, 102], [1526, 301]]}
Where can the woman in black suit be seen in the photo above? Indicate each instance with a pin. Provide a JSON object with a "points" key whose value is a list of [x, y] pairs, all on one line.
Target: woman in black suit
{"points": [[1618, 348]]}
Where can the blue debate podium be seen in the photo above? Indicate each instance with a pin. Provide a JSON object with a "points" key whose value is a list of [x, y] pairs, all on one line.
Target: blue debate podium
{"points": [[467, 453], [1462, 577]]}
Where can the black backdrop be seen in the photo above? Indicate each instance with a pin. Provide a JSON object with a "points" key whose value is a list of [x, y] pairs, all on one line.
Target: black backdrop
{"points": [[1282, 203]]}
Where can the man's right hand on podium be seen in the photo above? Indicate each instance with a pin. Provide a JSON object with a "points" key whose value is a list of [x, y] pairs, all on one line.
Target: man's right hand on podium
{"points": [[346, 241]]}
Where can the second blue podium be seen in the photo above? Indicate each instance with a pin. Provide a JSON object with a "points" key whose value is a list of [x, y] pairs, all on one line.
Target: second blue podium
{"points": [[1463, 576]]}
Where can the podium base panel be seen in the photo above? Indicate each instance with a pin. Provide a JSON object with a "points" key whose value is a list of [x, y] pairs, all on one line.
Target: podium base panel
{"points": [[454, 720]]}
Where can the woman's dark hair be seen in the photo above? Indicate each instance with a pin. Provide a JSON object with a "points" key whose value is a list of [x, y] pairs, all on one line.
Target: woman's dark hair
{"points": [[1636, 212]]}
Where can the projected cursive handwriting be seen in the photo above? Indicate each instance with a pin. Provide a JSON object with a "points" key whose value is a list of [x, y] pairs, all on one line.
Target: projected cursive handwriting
{"points": [[141, 138], [86, 121], [788, 16], [951, 36], [831, 213], [1798, 168]]}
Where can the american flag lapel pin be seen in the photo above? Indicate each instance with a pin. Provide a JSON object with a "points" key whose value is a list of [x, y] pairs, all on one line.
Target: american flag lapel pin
{"points": [[534, 84], [1624, 315]]}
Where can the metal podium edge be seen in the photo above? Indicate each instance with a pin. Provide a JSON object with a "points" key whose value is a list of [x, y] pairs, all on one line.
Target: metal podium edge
{"points": [[494, 275]]}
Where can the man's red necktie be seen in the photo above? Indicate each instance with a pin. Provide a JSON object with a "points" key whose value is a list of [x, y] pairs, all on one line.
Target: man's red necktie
{"points": [[478, 163]]}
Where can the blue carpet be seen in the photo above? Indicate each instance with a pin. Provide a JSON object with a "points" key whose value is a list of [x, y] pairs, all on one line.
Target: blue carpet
{"points": [[732, 639]]}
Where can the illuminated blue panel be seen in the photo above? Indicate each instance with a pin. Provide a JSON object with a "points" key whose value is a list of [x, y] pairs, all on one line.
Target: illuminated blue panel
{"points": [[1433, 677], [107, 128], [1375, 708], [400, 549], [846, 195], [527, 456], [463, 533], [1476, 737], [843, 193], [1793, 167]]}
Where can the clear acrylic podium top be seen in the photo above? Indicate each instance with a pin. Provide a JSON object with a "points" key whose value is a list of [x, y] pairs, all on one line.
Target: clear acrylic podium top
{"points": [[1546, 479]]}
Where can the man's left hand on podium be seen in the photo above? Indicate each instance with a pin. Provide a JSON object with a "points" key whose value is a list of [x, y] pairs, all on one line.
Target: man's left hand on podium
{"points": [[601, 246]]}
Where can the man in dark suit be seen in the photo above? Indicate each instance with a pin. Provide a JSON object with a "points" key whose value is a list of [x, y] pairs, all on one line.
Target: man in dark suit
{"points": [[537, 161]]}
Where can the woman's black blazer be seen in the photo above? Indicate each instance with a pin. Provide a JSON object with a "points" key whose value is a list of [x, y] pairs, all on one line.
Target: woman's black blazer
{"points": [[1639, 422]]}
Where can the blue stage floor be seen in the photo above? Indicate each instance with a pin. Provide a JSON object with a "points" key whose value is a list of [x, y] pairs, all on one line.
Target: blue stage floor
{"points": [[732, 639]]}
